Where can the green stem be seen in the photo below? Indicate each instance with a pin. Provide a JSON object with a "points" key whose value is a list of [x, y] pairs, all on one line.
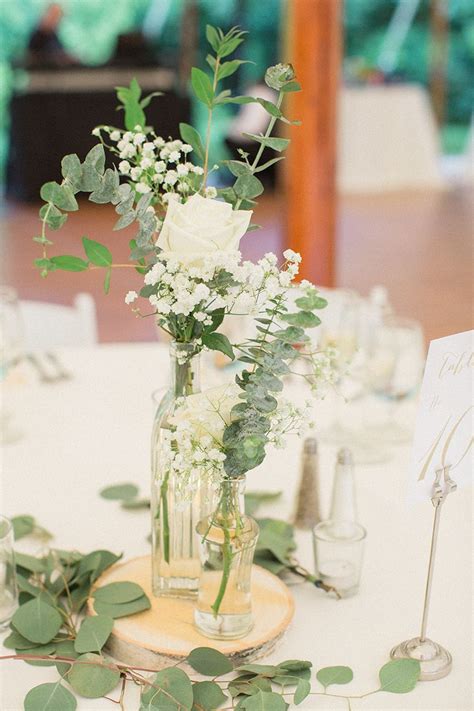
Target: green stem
{"points": [[261, 147], [227, 562], [165, 524], [209, 123]]}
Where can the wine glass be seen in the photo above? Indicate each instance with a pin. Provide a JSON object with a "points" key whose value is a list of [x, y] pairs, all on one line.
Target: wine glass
{"points": [[395, 368], [11, 353]]}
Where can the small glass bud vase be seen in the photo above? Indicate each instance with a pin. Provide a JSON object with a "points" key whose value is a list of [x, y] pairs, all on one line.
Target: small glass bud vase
{"points": [[177, 504], [227, 543]]}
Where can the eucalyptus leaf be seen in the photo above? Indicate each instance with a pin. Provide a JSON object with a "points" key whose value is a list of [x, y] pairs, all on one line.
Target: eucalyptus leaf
{"points": [[120, 492], [399, 676], [71, 169], [62, 196], [92, 680], [37, 621], [123, 609], [22, 526], [119, 592], [207, 696], [50, 697], [171, 691], [133, 504], [267, 670], [42, 650], [263, 701], [248, 186], [107, 189], [53, 217], [334, 675], [303, 688], [305, 319], [65, 649], [276, 144], [209, 662], [93, 633], [16, 641]]}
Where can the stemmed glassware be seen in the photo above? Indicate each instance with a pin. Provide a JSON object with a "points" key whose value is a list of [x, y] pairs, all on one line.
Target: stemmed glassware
{"points": [[395, 368], [11, 353]]}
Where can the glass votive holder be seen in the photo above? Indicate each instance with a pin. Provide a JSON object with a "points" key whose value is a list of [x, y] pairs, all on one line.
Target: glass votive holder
{"points": [[338, 553], [8, 582]]}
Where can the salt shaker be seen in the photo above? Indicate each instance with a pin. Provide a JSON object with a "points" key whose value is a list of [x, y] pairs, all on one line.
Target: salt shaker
{"points": [[343, 503], [308, 512]]}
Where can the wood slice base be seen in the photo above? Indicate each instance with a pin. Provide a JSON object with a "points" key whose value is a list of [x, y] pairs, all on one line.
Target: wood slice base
{"points": [[166, 632]]}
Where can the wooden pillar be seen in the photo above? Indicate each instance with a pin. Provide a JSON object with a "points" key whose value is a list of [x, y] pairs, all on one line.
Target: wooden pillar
{"points": [[314, 47], [439, 48]]}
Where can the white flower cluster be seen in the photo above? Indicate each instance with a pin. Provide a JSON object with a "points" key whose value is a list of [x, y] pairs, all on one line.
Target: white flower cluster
{"points": [[220, 281], [154, 164], [290, 419]]}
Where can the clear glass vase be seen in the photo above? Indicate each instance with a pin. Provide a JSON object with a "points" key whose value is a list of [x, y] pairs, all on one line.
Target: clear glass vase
{"points": [[175, 509], [227, 543]]}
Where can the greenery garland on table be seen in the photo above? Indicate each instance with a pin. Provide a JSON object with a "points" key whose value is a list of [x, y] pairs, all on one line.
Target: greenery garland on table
{"points": [[49, 629]]}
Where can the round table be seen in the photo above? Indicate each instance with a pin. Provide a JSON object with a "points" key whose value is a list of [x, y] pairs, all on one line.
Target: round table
{"points": [[93, 430]]}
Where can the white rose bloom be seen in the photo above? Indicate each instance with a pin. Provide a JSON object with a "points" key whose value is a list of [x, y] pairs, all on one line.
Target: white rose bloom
{"points": [[201, 226], [208, 412]]}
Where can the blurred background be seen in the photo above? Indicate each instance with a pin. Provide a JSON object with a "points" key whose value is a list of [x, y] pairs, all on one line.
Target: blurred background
{"points": [[377, 186]]}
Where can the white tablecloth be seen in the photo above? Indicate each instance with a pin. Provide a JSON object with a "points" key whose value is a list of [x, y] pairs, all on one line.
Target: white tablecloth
{"points": [[387, 140], [94, 430]]}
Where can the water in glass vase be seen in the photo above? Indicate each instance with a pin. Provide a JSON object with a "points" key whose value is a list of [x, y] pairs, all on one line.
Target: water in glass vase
{"points": [[176, 509], [228, 538]]}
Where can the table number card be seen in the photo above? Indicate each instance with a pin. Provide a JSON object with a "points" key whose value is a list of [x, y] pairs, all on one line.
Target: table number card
{"points": [[444, 423]]}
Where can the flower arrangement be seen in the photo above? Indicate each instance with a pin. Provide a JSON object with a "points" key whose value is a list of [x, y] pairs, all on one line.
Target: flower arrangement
{"points": [[187, 250]]}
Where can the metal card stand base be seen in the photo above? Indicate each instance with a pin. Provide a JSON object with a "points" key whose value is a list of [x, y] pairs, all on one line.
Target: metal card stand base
{"points": [[435, 661]]}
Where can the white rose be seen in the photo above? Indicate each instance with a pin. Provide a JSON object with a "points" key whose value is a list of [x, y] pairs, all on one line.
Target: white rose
{"points": [[194, 230], [208, 412]]}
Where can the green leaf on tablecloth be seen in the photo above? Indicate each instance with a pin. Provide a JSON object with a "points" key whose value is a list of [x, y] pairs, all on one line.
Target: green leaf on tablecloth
{"points": [[293, 665], [97, 253], [29, 562], [37, 621], [15, 640], [65, 649], [136, 504], [93, 633], [267, 670], [22, 526], [399, 676], [302, 690], [50, 697], [334, 675], [94, 563], [263, 701], [209, 662], [123, 609], [168, 683], [93, 680], [253, 499], [207, 696], [42, 650], [116, 593], [120, 492], [249, 685], [276, 537]]}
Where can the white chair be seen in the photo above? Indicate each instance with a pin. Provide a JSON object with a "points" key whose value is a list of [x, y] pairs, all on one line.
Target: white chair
{"points": [[49, 325]]}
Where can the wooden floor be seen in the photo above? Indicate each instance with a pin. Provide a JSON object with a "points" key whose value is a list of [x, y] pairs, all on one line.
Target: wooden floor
{"points": [[418, 244]]}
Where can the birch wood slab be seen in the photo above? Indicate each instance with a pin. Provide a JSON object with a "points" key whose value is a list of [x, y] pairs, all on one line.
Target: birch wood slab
{"points": [[165, 633]]}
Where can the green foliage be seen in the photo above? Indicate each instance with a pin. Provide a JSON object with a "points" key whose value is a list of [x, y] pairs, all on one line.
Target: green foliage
{"points": [[190, 135], [123, 609], [121, 492], [50, 697], [209, 662], [399, 676], [170, 690], [93, 633], [119, 592], [37, 621], [92, 680], [254, 499], [334, 675], [26, 525], [207, 696], [133, 104], [218, 342]]}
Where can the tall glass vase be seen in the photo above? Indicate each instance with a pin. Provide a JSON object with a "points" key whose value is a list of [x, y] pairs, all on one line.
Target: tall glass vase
{"points": [[227, 540], [176, 509]]}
